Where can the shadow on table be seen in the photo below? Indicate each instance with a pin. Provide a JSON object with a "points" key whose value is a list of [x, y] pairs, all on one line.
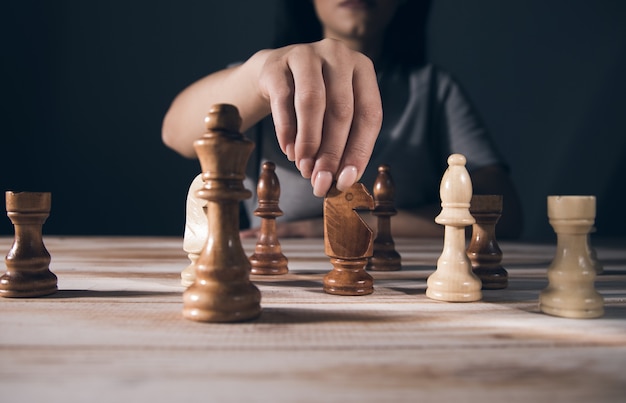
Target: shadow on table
{"points": [[288, 315], [617, 312], [414, 267], [68, 294]]}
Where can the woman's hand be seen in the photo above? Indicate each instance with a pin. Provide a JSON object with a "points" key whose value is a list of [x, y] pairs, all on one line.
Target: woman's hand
{"points": [[323, 97], [326, 107]]}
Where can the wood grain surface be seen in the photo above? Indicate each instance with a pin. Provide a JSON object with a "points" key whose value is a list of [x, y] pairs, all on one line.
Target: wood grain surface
{"points": [[114, 332]]}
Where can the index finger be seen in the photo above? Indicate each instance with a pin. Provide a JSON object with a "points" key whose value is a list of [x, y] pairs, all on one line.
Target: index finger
{"points": [[366, 124]]}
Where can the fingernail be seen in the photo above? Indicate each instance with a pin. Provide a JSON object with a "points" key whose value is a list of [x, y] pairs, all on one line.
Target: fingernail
{"points": [[305, 166], [346, 178], [289, 150], [322, 182]]}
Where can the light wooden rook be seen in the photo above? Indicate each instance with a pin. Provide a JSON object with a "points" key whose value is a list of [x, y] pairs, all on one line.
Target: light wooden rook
{"points": [[28, 273], [222, 291], [348, 241], [593, 255], [483, 250], [268, 257], [454, 280], [571, 292], [385, 257]]}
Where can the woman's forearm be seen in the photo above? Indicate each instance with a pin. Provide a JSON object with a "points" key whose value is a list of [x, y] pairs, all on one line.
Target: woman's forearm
{"points": [[184, 121]]}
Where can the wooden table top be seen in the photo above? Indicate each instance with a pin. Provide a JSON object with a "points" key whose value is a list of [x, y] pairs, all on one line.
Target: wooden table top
{"points": [[114, 332]]}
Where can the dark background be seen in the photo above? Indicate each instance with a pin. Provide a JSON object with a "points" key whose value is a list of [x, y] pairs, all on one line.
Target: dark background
{"points": [[85, 86]]}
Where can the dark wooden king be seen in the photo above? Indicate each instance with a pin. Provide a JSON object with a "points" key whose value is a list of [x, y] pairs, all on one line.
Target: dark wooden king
{"points": [[222, 291]]}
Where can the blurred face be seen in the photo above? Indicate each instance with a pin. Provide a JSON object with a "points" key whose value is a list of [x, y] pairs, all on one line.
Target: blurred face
{"points": [[358, 21]]}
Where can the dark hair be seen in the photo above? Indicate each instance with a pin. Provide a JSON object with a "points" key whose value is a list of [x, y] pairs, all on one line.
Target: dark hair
{"points": [[405, 39]]}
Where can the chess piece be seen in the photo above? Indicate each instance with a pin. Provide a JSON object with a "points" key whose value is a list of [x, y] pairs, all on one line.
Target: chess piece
{"points": [[593, 255], [385, 256], [222, 291], [454, 280], [268, 257], [28, 260], [196, 230], [348, 241], [483, 250], [571, 275]]}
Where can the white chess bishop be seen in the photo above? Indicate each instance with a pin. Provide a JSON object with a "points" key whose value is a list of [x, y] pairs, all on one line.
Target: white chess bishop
{"points": [[454, 280]]}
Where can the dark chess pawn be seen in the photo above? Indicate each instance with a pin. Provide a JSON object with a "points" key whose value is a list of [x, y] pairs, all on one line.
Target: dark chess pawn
{"points": [[268, 257], [483, 250], [385, 257], [28, 260]]}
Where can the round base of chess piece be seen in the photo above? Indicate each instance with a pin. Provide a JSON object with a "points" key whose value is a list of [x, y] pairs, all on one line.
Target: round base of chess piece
{"points": [[232, 303], [16, 285], [28, 274], [466, 291], [385, 260], [348, 277], [269, 263], [493, 278], [222, 291], [554, 304], [454, 280], [570, 292]]}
